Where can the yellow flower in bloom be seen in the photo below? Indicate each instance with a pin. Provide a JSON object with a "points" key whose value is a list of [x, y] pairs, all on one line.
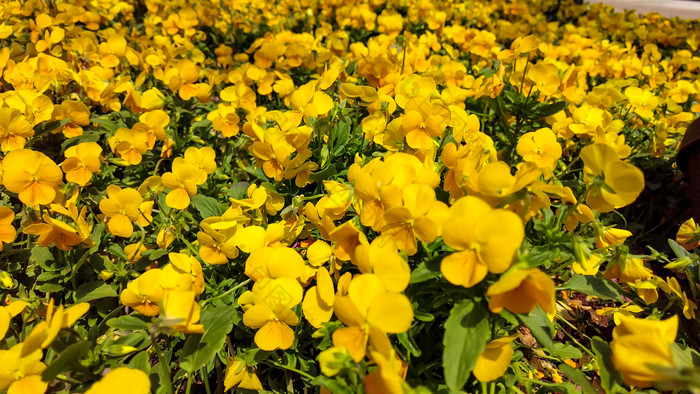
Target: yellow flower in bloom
{"points": [[486, 240], [78, 113], [521, 290], [420, 216], [82, 161], [274, 262], [181, 311], [21, 369], [121, 207], [7, 230], [613, 183], [144, 293], [688, 235], [130, 145], [318, 301], [183, 273], [381, 258], [182, 182], [238, 374], [203, 158], [121, 380], [54, 231], [643, 102], [386, 379], [494, 360], [56, 318], [225, 120], [7, 312], [540, 147], [545, 78], [308, 102], [633, 271], [370, 312], [424, 121], [154, 123], [32, 175], [271, 313], [14, 129], [640, 343]]}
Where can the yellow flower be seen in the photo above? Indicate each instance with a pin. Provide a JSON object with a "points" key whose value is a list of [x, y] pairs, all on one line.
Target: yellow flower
{"points": [[540, 147], [493, 362], [7, 230], [612, 182], [318, 300], [78, 113], [56, 318], [271, 312], [643, 102], [419, 216], [639, 343], [633, 271], [486, 240], [82, 161], [14, 129], [130, 145], [121, 207], [369, 311], [182, 182], [688, 235], [386, 379], [181, 311], [21, 369], [423, 121], [32, 175], [121, 380], [545, 78], [144, 293], [7, 312], [238, 373], [521, 290], [54, 231]]}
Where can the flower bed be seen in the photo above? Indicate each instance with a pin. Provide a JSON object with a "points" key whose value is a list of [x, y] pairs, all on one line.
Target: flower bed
{"points": [[378, 196]]}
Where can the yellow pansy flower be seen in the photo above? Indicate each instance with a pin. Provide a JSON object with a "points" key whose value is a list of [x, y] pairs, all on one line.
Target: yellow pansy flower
{"points": [[493, 362], [121, 207], [370, 312], [181, 311], [486, 240], [82, 161], [612, 182], [521, 290], [32, 175], [21, 369], [144, 293], [120, 380], [182, 182], [8, 233], [239, 374], [639, 343], [270, 312]]}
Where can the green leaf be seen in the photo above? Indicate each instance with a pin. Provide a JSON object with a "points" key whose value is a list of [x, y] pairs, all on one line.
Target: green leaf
{"points": [[409, 344], [426, 270], [566, 351], [551, 109], [466, 334], [207, 206], [610, 378], [199, 349], [334, 385], [678, 250], [541, 328], [51, 125], [131, 323], [592, 285], [578, 378], [93, 291], [67, 359], [140, 361]]}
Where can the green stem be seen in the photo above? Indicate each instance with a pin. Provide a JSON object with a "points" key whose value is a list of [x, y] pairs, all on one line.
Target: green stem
{"points": [[205, 379], [189, 383], [165, 374], [229, 291], [302, 373]]}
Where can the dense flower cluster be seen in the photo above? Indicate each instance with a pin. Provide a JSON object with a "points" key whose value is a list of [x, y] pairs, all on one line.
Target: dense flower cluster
{"points": [[382, 197]]}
